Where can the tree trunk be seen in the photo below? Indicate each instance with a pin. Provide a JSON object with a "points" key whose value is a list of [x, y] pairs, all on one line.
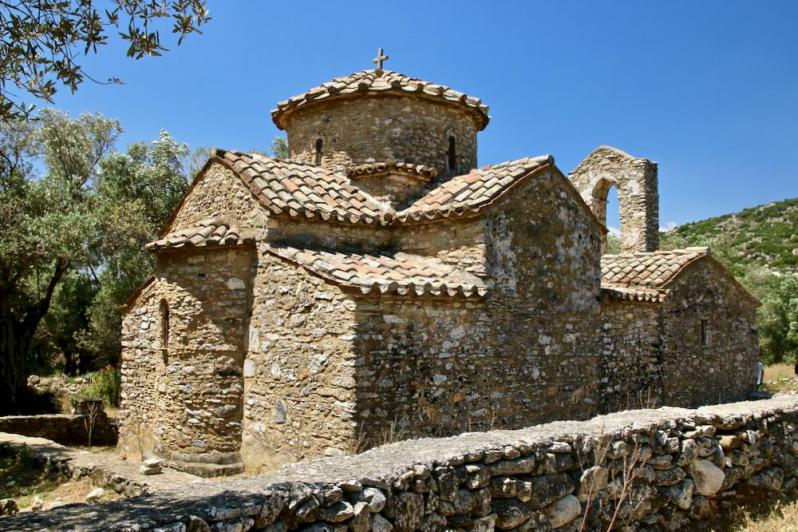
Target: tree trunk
{"points": [[16, 337], [14, 349]]}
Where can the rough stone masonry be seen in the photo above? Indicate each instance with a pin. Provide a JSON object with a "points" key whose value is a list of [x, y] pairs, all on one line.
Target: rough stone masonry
{"points": [[380, 285], [664, 469]]}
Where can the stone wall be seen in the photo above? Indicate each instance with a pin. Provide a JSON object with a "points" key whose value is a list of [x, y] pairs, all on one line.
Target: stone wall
{"points": [[525, 354], [218, 192], [663, 469], [638, 194], [630, 372], [299, 373], [384, 128], [186, 398], [66, 429], [718, 364]]}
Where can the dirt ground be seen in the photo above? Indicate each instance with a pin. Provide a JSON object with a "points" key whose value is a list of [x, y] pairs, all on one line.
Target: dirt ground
{"points": [[23, 480]]}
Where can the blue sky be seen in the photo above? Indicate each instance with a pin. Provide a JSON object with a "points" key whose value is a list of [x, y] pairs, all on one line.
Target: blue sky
{"points": [[708, 89]]}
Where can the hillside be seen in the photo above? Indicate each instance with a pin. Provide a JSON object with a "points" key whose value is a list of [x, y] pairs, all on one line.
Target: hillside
{"points": [[765, 236]]}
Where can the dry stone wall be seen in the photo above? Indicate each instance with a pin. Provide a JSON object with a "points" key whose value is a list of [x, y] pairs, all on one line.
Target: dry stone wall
{"points": [[667, 469]]}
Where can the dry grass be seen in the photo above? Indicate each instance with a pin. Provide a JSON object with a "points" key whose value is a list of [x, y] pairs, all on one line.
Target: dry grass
{"points": [[22, 479], [781, 378], [782, 518]]}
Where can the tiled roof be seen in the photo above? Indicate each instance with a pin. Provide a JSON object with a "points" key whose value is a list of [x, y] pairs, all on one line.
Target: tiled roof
{"points": [[209, 232], [302, 189], [647, 270], [634, 293], [645, 276], [377, 82], [419, 171], [399, 273], [312, 191], [467, 194]]}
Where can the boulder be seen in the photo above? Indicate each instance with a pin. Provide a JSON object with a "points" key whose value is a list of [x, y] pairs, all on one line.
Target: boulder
{"points": [[707, 476], [95, 495], [563, 511]]}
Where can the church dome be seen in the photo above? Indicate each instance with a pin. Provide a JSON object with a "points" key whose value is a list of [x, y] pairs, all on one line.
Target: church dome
{"points": [[379, 82], [380, 116]]}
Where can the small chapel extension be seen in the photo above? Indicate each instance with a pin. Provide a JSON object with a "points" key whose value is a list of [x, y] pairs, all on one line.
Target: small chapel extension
{"points": [[380, 285]]}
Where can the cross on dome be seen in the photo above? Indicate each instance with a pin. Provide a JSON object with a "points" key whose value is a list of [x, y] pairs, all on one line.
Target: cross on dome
{"points": [[380, 59]]}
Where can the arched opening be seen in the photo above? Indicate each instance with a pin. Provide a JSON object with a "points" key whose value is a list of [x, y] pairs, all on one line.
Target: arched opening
{"points": [[606, 207], [317, 156], [164, 310], [451, 155], [613, 222]]}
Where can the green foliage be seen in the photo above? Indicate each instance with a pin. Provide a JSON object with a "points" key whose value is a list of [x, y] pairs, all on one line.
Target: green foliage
{"points": [[759, 246], [72, 236], [280, 148], [105, 384], [42, 42], [765, 236], [778, 320], [613, 244]]}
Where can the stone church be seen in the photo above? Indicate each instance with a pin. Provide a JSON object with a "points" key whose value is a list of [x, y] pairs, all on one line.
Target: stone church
{"points": [[381, 285]]}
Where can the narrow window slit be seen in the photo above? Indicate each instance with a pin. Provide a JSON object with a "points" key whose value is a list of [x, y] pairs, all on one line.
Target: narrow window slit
{"points": [[319, 144], [164, 308], [452, 155]]}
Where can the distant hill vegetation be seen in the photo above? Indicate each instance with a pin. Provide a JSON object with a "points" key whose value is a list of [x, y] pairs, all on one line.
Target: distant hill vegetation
{"points": [[759, 246], [765, 236]]}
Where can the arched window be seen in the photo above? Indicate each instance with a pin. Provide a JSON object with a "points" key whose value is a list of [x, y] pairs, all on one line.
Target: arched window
{"points": [[164, 308], [704, 331], [451, 154], [319, 144]]}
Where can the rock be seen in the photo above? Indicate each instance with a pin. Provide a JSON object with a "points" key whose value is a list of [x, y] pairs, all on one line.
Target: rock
{"points": [[593, 480], [730, 441], [510, 513], [563, 511], [669, 477], [681, 495], [375, 499], [336, 513], [549, 488], [37, 504], [151, 467], [197, 524], [769, 479], [707, 476], [361, 521], [95, 495], [381, 524], [408, 510], [8, 507]]}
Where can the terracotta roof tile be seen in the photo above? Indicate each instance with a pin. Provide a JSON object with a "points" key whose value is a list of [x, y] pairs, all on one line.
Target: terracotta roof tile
{"points": [[647, 270], [209, 232], [469, 193], [419, 171], [302, 189], [399, 273], [379, 81]]}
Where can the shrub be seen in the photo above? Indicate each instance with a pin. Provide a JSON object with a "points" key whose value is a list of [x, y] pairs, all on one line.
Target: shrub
{"points": [[105, 384]]}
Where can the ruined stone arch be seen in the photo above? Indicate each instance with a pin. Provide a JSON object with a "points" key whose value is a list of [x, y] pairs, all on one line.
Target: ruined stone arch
{"points": [[638, 195]]}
